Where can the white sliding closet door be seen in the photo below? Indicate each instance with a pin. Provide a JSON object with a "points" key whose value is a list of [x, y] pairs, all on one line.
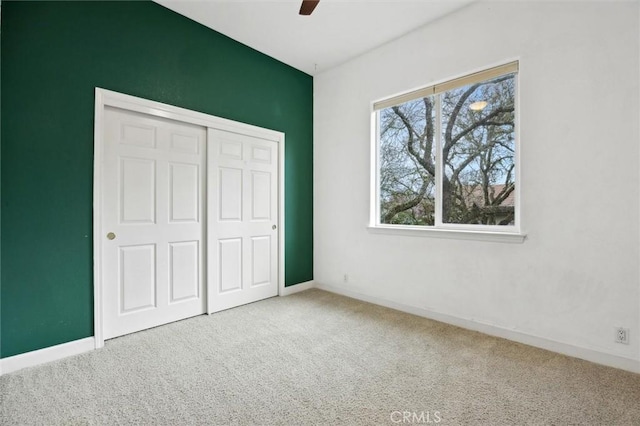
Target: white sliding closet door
{"points": [[153, 179], [242, 219], [186, 210]]}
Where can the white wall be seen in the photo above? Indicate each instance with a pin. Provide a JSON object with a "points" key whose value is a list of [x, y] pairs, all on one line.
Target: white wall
{"points": [[576, 276]]}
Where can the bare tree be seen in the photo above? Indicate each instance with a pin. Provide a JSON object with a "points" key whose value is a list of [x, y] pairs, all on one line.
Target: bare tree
{"points": [[478, 177]]}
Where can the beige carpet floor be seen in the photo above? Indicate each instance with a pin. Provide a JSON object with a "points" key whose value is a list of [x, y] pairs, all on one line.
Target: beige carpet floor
{"points": [[316, 358]]}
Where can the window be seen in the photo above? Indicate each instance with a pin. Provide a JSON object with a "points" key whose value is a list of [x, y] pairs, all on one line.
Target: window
{"points": [[446, 155]]}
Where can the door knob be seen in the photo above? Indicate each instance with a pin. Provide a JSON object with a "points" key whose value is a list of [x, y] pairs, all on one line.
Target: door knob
{"points": [[111, 236], [273, 227]]}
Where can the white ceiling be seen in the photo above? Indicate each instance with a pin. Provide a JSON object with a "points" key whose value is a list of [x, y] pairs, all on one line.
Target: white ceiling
{"points": [[337, 31]]}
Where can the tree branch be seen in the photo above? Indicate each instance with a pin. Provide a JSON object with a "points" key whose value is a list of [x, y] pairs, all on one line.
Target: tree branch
{"points": [[406, 205], [486, 121], [426, 163]]}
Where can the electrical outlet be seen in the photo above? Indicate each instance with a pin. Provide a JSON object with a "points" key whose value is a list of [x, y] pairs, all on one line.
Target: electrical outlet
{"points": [[622, 335], [345, 278]]}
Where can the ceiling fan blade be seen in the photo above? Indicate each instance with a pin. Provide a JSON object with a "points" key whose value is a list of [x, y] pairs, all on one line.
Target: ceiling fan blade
{"points": [[308, 6]]}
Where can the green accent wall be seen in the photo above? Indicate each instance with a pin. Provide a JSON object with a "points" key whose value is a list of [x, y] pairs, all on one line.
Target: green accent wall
{"points": [[53, 55]]}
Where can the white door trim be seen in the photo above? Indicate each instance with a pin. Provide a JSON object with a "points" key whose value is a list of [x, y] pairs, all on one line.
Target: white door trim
{"points": [[104, 98]]}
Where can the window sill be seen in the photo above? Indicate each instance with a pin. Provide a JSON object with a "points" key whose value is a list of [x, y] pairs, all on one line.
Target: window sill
{"points": [[457, 234]]}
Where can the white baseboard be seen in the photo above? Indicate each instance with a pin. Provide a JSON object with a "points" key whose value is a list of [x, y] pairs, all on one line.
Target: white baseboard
{"points": [[296, 288], [76, 347], [598, 357], [42, 356]]}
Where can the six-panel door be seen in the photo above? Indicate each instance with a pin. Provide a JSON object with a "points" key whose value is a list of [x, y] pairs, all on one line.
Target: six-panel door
{"points": [[152, 217], [242, 219]]}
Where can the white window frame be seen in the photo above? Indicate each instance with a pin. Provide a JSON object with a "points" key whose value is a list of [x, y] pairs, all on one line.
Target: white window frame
{"points": [[494, 233]]}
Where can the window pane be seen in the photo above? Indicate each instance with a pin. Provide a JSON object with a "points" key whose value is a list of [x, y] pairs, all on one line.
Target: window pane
{"points": [[478, 145], [407, 163]]}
